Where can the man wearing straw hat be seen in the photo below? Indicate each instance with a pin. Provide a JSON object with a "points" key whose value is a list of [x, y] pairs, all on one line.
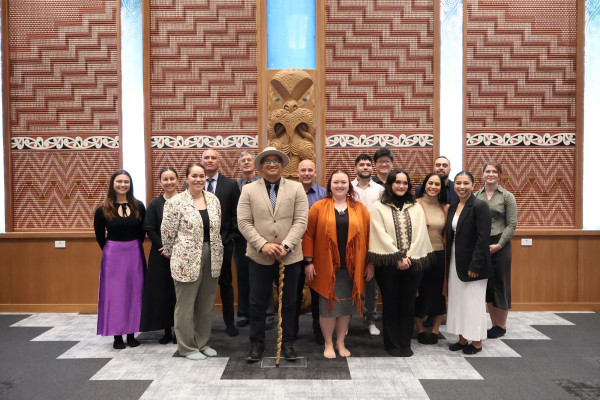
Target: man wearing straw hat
{"points": [[272, 216]]}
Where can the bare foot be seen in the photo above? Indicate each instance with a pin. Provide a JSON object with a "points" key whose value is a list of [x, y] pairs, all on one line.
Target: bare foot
{"points": [[329, 351], [344, 352]]}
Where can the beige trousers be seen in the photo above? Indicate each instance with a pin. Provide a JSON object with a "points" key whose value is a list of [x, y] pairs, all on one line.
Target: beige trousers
{"points": [[193, 310]]}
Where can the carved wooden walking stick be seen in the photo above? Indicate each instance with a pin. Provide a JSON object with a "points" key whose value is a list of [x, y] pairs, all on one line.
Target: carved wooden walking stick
{"points": [[279, 328]]}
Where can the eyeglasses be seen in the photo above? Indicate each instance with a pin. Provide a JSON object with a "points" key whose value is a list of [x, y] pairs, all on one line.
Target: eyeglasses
{"points": [[384, 162], [269, 162]]}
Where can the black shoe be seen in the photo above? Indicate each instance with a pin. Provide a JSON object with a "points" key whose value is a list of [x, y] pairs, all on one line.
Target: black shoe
{"points": [[423, 338], [232, 330], [132, 341], [400, 352], [167, 337], [118, 343], [433, 338], [457, 346], [255, 353], [288, 352], [495, 332], [243, 322], [470, 349]]}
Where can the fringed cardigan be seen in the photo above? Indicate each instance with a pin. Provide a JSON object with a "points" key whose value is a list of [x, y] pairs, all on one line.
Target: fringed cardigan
{"points": [[320, 243], [396, 234]]}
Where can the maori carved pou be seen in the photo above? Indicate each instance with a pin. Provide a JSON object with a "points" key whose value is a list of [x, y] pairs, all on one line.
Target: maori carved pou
{"points": [[291, 121]]}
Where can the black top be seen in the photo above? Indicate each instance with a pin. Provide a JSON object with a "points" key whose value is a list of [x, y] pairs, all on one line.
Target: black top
{"points": [[206, 224], [119, 229], [471, 240], [341, 227], [153, 220]]}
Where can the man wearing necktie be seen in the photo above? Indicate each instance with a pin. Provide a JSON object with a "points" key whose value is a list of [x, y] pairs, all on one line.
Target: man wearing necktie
{"points": [[228, 193], [272, 216]]}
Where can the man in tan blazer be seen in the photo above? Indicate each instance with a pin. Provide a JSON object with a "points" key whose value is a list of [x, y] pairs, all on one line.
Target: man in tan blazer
{"points": [[272, 216]]}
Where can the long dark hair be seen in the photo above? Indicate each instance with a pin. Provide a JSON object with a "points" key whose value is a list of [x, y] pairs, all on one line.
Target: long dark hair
{"points": [[442, 196], [108, 207], [388, 196], [187, 172], [351, 191]]}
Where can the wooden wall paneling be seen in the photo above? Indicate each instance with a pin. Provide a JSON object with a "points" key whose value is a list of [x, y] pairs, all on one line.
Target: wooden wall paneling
{"points": [[588, 270], [6, 121], [545, 273]]}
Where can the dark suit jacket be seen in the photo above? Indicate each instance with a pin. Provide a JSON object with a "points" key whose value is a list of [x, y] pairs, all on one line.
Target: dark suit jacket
{"points": [[472, 239], [228, 194]]}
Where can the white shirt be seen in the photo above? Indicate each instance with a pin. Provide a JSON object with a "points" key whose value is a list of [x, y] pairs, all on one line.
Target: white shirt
{"points": [[370, 194]]}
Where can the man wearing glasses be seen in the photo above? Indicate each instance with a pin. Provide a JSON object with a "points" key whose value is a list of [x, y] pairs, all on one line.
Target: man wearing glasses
{"points": [[272, 216], [383, 162]]}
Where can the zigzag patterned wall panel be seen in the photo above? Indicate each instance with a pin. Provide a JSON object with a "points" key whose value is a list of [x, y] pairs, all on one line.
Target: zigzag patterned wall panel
{"points": [[379, 76], [59, 190], [542, 180], [63, 99], [203, 81], [521, 64], [203, 67], [379, 59], [521, 87]]}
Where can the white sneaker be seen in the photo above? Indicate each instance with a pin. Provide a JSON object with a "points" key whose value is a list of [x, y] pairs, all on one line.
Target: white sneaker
{"points": [[373, 330]]}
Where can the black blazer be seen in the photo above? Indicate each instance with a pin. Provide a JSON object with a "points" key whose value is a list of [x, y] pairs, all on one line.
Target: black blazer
{"points": [[472, 247], [228, 194]]}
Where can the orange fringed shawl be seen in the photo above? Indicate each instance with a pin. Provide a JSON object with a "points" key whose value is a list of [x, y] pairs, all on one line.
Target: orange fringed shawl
{"points": [[320, 243]]}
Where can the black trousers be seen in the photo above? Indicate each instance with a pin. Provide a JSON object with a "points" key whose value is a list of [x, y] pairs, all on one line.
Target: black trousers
{"points": [[498, 286], [243, 283], [398, 291], [431, 301], [225, 284], [314, 306], [261, 281]]}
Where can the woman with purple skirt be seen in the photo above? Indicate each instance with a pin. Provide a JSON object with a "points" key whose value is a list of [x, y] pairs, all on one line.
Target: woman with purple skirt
{"points": [[119, 232]]}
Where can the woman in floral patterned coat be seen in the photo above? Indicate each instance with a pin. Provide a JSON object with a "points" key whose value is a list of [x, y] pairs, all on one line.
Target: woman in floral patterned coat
{"points": [[191, 239]]}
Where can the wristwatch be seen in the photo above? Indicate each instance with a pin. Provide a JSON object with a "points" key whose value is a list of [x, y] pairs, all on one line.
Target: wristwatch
{"points": [[287, 248]]}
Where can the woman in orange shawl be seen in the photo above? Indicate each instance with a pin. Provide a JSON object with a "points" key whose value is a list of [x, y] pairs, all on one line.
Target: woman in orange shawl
{"points": [[335, 249]]}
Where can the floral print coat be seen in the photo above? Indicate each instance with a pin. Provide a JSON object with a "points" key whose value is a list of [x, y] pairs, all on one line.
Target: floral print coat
{"points": [[182, 233]]}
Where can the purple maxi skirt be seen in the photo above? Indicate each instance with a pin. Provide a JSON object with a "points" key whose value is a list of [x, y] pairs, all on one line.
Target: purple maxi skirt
{"points": [[121, 287]]}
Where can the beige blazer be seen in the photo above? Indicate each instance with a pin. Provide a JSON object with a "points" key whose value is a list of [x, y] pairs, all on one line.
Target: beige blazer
{"points": [[259, 224], [182, 233]]}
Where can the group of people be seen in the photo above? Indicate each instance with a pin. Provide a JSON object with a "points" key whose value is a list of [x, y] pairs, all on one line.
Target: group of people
{"points": [[344, 241]]}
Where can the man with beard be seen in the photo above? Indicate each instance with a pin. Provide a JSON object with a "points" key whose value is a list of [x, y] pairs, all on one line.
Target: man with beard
{"points": [[368, 193]]}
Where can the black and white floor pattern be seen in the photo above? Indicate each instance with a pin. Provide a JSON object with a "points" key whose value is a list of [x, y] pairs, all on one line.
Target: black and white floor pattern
{"points": [[368, 374]]}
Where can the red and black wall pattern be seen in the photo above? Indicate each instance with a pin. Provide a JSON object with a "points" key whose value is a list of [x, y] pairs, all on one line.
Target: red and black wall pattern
{"points": [[63, 102], [521, 66]]}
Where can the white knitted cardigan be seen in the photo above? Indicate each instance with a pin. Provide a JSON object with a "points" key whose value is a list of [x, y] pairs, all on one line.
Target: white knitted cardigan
{"points": [[395, 234]]}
